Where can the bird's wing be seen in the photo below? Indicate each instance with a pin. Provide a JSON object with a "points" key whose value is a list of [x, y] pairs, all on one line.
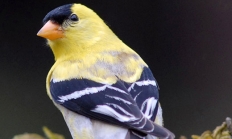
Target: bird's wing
{"points": [[145, 93], [110, 103]]}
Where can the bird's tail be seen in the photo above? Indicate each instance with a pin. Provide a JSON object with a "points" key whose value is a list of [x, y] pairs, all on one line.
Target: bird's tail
{"points": [[135, 135], [153, 129]]}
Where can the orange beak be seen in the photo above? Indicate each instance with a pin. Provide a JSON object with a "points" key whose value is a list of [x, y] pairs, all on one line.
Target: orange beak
{"points": [[51, 31]]}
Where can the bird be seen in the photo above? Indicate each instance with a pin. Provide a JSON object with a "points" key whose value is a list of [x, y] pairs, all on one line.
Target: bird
{"points": [[102, 87]]}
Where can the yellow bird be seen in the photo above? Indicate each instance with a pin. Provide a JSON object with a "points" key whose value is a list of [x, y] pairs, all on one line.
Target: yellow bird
{"points": [[102, 87]]}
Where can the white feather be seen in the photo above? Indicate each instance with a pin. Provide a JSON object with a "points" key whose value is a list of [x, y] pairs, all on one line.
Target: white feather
{"points": [[119, 99], [87, 91], [109, 111], [142, 83], [150, 107]]}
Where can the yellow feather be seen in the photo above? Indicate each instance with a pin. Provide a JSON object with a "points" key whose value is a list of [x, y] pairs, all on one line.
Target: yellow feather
{"points": [[92, 51]]}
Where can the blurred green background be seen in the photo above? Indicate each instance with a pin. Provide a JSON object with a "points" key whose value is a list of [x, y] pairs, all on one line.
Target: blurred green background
{"points": [[187, 44]]}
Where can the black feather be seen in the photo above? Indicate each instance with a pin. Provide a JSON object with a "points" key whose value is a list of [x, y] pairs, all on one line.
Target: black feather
{"points": [[59, 14], [112, 103]]}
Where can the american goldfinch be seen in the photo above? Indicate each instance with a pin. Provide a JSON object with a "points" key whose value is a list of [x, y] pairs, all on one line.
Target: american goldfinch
{"points": [[101, 86]]}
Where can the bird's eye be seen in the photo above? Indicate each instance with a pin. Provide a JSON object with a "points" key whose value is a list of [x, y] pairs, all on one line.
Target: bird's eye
{"points": [[73, 17]]}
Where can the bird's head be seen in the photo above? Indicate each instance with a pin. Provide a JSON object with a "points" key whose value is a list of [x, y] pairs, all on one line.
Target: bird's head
{"points": [[73, 28]]}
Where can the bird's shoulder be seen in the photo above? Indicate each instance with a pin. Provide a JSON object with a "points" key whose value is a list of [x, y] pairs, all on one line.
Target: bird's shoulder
{"points": [[104, 67]]}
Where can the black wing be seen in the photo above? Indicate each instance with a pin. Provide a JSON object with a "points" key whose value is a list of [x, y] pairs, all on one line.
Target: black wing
{"points": [[145, 93], [113, 103]]}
